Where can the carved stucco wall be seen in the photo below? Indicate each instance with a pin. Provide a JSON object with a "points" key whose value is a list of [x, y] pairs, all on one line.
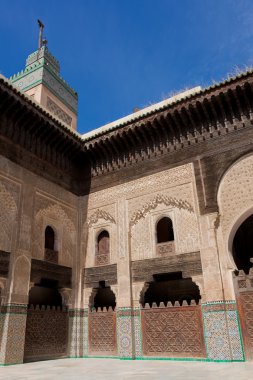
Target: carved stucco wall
{"points": [[100, 219], [63, 220], [235, 194], [137, 205], [9, 200], [235, 200], [50, 205]]}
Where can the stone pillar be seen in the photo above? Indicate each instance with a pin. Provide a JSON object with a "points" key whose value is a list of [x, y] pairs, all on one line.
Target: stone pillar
{"points": [[138, 291], [125, 325], [220, 317], [79, 327], [78, 309], [14, 307]]}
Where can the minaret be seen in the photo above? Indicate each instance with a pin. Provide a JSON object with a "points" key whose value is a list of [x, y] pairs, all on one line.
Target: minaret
{"points": [[42, 81]]}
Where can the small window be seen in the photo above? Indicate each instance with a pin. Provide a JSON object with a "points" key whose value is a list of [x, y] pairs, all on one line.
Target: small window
{"points": [[103, 248], [164, 230], [49, 238], [50, 251]]}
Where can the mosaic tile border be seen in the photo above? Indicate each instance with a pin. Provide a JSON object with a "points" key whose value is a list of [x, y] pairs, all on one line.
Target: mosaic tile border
{"points": [[222, 331], [78, 333], [124, 332]]}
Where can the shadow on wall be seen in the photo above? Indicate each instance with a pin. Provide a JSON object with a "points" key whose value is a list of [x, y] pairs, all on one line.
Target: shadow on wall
{"points": [[171, 287]]}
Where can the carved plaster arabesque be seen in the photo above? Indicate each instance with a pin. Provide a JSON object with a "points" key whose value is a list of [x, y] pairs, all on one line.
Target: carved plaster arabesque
{"points": [[55, 216], [100, 214], [98, 221], [144, 186], [159, 199], [7, 217], [235, 200]]}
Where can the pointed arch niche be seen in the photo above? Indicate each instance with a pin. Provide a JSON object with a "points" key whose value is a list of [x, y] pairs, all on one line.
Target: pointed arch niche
{"points": [[102, 252], [51, 254]]}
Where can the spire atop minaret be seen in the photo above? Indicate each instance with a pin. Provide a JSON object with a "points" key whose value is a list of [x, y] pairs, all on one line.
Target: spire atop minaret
{"points": [[41, 25], [41, 80]]}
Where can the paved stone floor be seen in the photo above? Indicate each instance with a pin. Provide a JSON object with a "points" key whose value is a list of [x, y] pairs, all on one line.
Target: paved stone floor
{"points": [[103, 369]]}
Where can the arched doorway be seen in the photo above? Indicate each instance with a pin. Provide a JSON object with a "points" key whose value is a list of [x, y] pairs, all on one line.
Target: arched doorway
{"points": [[242, 248], [47, 323], [171, 317], [102, 322], [242, 251]]}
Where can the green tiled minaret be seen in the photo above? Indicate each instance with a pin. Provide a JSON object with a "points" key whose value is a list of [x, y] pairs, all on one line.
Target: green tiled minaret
{"points": [[42, 68]]}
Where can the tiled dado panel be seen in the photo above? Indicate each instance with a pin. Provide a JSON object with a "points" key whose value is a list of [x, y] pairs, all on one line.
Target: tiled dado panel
{"points": [[222, 331], [46, 333], [102, 333], [245, 307], [129, 333], [174, 332], [12, 326], [78, 333]]}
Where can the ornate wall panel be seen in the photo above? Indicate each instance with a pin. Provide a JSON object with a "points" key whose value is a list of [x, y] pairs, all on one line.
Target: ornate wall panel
{"points": [[236, 192], [222, 331], [142, 200], [13, 321], [78, 333], [63, 220], [9, 200], [173, 332], [46, 334], [245, 302], [99, 219], [102, 333], [188, 263], [107, 273], [42, 269], [145, 185]]}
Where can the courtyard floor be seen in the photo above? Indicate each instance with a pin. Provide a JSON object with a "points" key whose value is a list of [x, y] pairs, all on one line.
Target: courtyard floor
{"points": [[103, 369]]}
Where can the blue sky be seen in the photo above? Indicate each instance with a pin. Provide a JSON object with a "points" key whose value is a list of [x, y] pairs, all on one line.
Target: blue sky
{"points": [[119, 54]]}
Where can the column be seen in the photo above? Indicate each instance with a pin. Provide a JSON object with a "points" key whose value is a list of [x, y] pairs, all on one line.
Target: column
{"points": [[220, 317], [14, 307], [125, 325]]}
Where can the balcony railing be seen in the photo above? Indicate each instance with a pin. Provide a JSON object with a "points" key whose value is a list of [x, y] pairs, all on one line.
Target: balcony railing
{"points": [[102, 259], [165, 249], [51, 255]]}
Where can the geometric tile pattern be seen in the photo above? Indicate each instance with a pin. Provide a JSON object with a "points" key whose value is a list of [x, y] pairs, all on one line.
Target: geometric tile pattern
{"points": [[216, 336], [173, 332], [46, 333], [137, 333], [102, 333], [245, 301], [222, 331], [78, 332], [124, 332], [13, 335]]}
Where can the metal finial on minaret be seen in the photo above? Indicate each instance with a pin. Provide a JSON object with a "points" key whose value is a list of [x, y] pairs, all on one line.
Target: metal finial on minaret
{"points": [[41, 32]]}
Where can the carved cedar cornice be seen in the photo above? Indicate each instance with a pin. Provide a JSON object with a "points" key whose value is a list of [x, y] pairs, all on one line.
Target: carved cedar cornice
{"points": [[100, 214], [159, 199]]}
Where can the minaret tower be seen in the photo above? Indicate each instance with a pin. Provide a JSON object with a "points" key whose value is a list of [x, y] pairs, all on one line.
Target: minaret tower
{"points": [[42, 81]]}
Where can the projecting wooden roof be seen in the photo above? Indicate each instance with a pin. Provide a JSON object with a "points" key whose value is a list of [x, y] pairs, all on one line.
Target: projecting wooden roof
{"points": [[205, 115], [33, 138], [209, 113]]}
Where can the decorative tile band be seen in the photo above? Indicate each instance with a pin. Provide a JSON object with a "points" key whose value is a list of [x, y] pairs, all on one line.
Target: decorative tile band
{"points": [[219, 306], [222, 331], [78, 332], [137, 332], [73, 313], [14, 309], [124, 332]]}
